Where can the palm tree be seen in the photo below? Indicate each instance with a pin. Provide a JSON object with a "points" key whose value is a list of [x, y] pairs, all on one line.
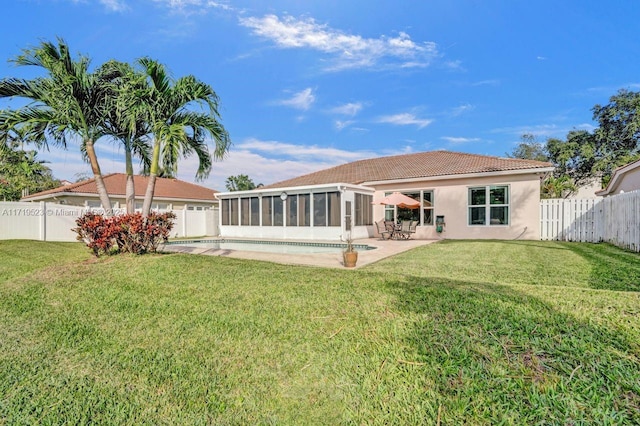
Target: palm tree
{"points": [[69, 102], [124, 123], [177, 129], [240, 183], [557, 187]]}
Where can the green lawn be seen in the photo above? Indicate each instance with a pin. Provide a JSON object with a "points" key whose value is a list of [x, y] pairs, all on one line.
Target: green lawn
{"points": [[456, 332]]}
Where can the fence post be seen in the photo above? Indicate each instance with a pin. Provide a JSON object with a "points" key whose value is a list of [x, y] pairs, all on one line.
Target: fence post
{"points": [[43, 221], [184, 220]]}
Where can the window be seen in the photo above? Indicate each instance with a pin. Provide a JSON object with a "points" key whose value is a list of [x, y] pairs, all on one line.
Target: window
{"points": [[255, 211], [333, 208], [292, 210], [410, 214], [249, 211], [423, 216], [364, 210], [229, 211], [326, 209], [225, 211], [320, 209], [278, 213], [489, 205], [427, 207], [304, 217], [245, 212], [234, 211], [267, 211]]}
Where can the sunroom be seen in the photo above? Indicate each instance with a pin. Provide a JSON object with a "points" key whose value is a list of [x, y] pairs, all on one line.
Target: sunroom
{"points": [[330, 212]]}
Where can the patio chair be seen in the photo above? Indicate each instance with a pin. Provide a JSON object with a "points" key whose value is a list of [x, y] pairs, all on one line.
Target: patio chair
{"points": [[405, 227], [382, 230], [412, 228], [391, 228]]}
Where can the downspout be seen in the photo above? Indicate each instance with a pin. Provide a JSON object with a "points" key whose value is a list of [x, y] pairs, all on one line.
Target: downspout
{"points": [[343, 204]]}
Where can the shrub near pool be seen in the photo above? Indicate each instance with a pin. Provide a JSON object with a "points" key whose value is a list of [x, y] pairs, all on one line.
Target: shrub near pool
{"points": [[455, 332]]}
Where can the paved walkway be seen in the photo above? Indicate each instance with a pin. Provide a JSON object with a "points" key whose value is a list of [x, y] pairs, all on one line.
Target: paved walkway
{"points": [[384, 248]]}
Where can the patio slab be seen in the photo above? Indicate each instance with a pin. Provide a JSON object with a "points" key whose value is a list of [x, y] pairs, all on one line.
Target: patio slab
{"points": [[384, 249]]}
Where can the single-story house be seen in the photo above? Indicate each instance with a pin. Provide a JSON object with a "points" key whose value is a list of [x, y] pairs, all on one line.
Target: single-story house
{"points": [[472, 196], [624, 179], [170, 194]]}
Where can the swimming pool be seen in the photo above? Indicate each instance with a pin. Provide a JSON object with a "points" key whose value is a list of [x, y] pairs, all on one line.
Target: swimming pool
{"points": [[269, 246]]}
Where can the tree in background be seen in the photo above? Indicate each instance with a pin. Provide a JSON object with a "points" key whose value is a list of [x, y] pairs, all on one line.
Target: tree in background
{"points": [[618, 134], [529, 148], [22, 173], [584, 156], [576, 157], [557, 187], [240, 183], [67, 103]]}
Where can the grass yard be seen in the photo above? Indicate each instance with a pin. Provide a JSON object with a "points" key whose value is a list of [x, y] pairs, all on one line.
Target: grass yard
{"points": [[450, 333]]}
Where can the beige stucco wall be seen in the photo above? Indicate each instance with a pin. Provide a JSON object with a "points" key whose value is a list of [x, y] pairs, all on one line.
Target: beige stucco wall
{"points": [[630, 182], [450, 200]]}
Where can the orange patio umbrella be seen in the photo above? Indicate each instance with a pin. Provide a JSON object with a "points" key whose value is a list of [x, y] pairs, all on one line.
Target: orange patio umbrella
{"points": [[400, 200]]}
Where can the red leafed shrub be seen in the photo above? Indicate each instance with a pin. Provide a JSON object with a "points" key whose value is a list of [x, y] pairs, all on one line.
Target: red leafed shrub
{"points": [[128, 233]]}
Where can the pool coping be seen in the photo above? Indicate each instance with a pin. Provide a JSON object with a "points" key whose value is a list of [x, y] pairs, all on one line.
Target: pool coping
{"points": [[383, 249]]}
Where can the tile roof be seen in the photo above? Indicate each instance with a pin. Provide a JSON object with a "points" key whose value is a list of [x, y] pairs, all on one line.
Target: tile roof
{"points": [[411, 166], [115, 184]]}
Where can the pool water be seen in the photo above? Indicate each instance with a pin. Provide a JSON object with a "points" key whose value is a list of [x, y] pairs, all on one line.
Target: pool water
{"points": [[283, 247]]}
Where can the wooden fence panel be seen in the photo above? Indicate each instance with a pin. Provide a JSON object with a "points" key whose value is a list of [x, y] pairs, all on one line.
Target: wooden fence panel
{"points": [[570, 220], [614, 219]]}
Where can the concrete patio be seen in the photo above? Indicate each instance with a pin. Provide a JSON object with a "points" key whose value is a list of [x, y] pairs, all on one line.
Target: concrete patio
{"points": [[384, 249]]}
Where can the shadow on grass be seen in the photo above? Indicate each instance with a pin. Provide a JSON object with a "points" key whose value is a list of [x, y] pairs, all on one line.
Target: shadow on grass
{"points": [[496, 355], [613, 268]]}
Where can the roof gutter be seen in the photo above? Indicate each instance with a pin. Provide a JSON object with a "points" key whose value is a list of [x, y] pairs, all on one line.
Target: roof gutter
{"points": [[276, 191], [538, 171]]}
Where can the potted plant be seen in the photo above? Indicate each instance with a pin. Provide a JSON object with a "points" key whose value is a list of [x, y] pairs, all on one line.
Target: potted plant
{"points": [[350, 255]]}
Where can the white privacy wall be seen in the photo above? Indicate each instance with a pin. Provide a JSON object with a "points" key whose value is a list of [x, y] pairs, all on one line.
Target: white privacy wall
{"points": [[54, 222]]}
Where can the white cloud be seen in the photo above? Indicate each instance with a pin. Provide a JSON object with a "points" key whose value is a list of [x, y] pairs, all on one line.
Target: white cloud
{"points": [[492, 82], [302, 151], [114, 5], [351, 109], [611, 90], [340, 125], [544, 130], [462, 109], [271, 161], [189, 7], [405, 119], [347, 50], [459, 140], [301, 100]]}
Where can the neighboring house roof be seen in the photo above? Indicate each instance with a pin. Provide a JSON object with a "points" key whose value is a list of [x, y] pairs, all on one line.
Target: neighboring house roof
{"points": [[414, 166], [116, 182], [618, 177]]}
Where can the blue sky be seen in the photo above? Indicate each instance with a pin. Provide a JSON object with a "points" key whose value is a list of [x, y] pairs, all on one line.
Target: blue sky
{"points": [[306, 85]]}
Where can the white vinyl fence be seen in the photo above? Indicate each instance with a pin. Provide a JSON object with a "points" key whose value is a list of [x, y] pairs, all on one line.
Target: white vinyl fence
{"points": [[615, 219], [54, 222]]}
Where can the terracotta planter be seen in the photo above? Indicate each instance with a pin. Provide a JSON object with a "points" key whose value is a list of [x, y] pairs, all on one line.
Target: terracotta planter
{"points": [[350, 258]]}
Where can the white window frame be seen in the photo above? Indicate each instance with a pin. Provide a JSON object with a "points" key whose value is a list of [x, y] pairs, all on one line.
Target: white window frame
{"points": [[487, 206]]}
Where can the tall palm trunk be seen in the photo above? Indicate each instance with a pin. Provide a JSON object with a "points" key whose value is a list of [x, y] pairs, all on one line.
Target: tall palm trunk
{"points": [[95, 168], [153, 174], [130, 189]]}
